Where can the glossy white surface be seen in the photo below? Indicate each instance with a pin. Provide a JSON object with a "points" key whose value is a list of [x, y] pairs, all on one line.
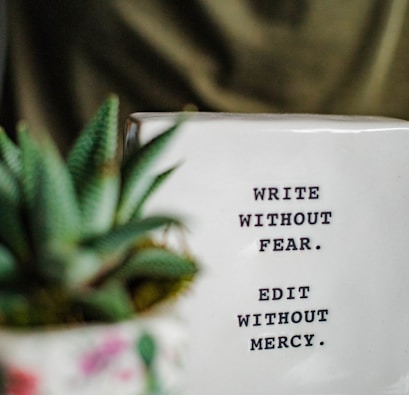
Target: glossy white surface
{"points": [[359, 274]]}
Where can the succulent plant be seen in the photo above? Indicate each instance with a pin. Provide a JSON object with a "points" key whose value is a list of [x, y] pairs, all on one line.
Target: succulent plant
{"points": [[74, 243]]}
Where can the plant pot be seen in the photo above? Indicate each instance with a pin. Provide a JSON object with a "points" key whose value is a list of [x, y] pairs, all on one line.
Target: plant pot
{"points": [[96, 359]]}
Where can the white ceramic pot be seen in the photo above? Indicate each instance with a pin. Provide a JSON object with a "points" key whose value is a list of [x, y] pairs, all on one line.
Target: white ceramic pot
{"points": [[95, 359]]}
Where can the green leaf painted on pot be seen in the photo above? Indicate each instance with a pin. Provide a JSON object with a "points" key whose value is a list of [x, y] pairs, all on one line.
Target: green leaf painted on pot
{"points": [[146, 348]]}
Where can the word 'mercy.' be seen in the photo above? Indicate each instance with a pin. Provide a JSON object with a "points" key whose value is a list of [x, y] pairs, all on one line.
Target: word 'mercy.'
{"points": [[297, 318]]}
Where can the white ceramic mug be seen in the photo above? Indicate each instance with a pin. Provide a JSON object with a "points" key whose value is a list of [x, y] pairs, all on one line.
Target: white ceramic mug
{"points": [[302, 227]]}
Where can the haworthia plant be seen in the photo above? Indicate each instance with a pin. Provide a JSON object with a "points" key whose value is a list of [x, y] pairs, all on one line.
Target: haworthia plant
{"points": [[74, 243]]}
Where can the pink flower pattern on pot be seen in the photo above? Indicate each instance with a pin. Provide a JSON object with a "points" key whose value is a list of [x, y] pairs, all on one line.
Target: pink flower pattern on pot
{"points": [[90, 360], [103, 355]]}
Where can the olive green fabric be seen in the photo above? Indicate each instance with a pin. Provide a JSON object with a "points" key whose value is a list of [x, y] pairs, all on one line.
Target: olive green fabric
{"points": [[317, 56], [3, 40]]}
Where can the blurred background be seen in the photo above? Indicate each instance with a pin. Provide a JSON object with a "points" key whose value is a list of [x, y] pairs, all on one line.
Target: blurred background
{"points": [[60, 58]]}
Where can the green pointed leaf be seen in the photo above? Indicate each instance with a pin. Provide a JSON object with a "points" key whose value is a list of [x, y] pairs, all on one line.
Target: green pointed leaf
{"points": [[12, 232], [156, 263], [92, 165], [110, 303], [54, 214], [9, 271], [9, 185], [96, 145], [136, 173], [84, 265], [151, 188], [98, 202], [68, 266], [122, 237], [10, 154], [6, 260], [30, 159]]}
